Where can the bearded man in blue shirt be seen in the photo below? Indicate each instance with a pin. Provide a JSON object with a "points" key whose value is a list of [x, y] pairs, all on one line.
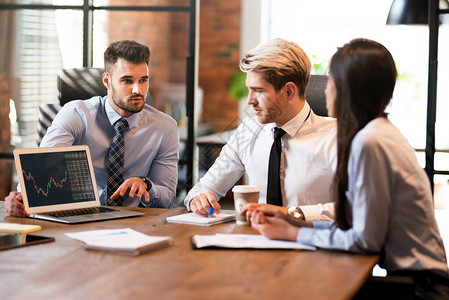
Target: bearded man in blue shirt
{"points": [[151, 138]]}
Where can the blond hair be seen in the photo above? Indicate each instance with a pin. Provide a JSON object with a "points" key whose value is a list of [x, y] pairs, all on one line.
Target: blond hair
{"points": [[279, 61]]}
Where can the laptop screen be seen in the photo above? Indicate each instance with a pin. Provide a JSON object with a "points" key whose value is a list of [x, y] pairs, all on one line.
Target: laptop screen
{"points": [[55, 178]]}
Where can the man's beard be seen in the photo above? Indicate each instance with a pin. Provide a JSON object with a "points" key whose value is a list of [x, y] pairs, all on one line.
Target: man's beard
{"points": [[124, 105]]}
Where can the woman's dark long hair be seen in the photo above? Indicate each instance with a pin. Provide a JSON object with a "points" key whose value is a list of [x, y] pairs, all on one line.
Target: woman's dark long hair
{"points": [[364, 74]]}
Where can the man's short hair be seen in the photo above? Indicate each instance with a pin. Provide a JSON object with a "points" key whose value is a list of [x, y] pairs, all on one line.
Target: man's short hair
{"points": [[130, 51], [279, 61]]}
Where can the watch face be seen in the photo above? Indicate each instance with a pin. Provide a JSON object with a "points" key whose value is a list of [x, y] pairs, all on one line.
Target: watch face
{"points": [[295, 213], [292, 210]]}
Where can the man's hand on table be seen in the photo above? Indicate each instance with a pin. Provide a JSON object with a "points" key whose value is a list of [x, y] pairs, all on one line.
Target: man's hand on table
{"points": [[14, 205]]}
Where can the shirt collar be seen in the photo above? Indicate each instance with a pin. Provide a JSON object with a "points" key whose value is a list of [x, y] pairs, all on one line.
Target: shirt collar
{"points": [[113, 116], [292, 126]]}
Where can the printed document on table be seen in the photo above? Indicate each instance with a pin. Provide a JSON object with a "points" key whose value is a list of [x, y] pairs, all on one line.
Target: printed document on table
{"points": [[255, 241]]}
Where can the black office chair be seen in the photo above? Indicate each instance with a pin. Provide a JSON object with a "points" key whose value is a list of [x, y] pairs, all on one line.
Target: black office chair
{"points": [[72, 84], [80, 83], [315, 94]]}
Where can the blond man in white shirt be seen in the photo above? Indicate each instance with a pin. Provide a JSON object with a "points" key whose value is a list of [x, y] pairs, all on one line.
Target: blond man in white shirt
{"points": [[277, 76]]}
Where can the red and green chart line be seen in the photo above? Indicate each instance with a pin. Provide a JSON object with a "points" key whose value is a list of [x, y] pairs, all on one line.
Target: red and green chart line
{"points": [[52, 181]]}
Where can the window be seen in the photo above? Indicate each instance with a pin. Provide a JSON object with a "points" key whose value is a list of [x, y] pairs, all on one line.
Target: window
{"points": [[38, 38], [320, 27]]}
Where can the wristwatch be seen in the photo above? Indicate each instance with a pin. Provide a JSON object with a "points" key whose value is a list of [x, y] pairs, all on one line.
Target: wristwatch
{"points": [[295, 214], [147, 182]]}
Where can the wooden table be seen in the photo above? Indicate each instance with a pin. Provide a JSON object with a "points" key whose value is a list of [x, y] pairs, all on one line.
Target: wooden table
{"points": [[64, 270]]}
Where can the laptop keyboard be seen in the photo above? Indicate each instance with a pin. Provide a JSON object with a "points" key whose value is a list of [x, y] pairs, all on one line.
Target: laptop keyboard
{"points": [[79, 212]]}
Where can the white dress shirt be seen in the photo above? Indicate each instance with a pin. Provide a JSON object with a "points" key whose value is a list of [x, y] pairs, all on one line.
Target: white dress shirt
{"points": [[308, 162], [390, 203]]}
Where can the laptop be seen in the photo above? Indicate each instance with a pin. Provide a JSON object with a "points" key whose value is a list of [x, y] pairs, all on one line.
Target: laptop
{"points": [[58, 184]]}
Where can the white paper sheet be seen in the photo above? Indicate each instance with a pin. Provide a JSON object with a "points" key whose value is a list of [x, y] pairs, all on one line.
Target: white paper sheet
{"points": [[245, 241]]}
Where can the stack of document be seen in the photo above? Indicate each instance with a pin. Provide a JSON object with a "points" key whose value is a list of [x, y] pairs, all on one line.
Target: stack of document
{"points": [[122, 241]]}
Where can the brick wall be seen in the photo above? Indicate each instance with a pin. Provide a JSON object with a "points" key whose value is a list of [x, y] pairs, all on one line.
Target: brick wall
{"points": [[219, 57], [5, 138], [154, 30], [167, 36]]}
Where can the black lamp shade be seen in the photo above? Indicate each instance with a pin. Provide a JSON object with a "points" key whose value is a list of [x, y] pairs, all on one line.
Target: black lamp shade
{"points": [[408, 12]]}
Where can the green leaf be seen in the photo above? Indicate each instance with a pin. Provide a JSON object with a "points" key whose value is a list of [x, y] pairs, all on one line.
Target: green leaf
{"points": [[238, 88]]}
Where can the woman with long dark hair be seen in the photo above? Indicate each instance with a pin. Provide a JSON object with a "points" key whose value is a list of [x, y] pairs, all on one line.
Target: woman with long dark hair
{"points": [[383, 197]]}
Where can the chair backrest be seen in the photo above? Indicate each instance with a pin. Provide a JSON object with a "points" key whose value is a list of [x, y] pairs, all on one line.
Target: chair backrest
{"points": [[315, 94], [80, 84], [72, 84], [45, 116]]}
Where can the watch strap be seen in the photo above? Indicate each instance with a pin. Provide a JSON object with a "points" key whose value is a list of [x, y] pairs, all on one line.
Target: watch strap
{"points": [[147, 182]]}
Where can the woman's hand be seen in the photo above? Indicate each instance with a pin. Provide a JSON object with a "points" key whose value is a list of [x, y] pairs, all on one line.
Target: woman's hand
{"points": [[274, 227]]}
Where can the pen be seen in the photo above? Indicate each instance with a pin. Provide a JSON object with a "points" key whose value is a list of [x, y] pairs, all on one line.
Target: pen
{"points": [[211, 211]]}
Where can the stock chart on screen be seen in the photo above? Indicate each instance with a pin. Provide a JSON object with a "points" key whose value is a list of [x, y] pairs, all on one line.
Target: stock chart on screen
{"points": [[56, 178]]}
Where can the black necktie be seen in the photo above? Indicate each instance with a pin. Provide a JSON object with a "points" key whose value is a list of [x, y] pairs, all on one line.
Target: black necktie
{"points": [[116, 161], [274, 194]]}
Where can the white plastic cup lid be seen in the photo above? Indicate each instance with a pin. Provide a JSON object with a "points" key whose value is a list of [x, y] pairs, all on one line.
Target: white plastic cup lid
{"points": [[245, 189]]}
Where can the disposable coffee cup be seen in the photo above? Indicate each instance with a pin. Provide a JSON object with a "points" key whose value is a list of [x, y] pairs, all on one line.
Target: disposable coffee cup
{"points": [[244, 194]]}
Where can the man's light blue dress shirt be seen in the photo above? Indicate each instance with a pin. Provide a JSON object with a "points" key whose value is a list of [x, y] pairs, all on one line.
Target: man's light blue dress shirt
{"points": [[151, 145]]}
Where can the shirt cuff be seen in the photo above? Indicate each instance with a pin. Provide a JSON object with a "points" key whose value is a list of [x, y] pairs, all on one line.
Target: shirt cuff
{"points": [[187, 204], [192, 194], [318, 212], [152, 194], [195, 191], [305, 235]]}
